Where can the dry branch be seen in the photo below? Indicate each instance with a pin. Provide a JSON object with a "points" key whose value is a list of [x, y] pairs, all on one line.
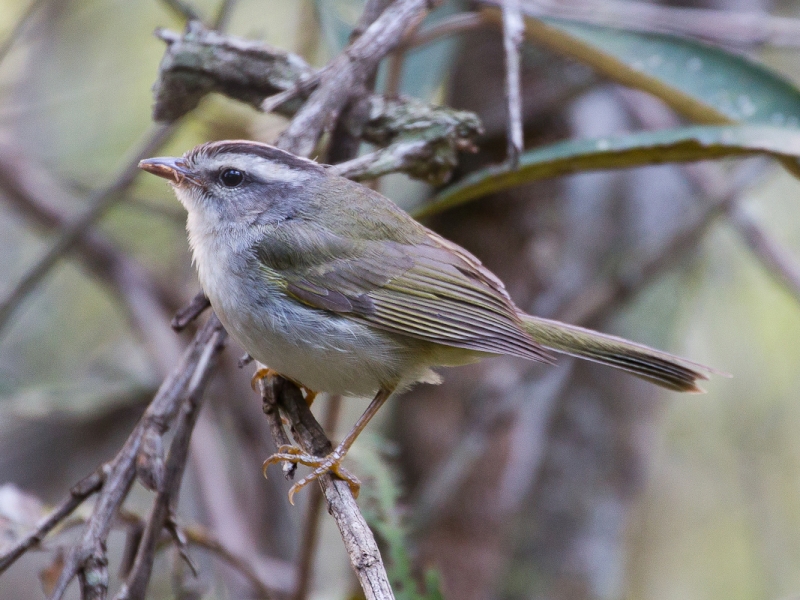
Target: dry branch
{"points": [[365, 557], [513, 30], [385, 122], [39, 198], [200, 537], [70, 235], [190, 312], [191, 372], [346, 75], [163, 510], [202, 61], [79, 492]]}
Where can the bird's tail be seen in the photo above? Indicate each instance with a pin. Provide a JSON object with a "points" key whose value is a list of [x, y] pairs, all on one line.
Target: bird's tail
{"points": [[657, 367]]}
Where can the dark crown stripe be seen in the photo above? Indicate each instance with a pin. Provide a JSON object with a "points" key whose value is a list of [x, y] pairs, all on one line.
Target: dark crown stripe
{"points": [[265, 151]]}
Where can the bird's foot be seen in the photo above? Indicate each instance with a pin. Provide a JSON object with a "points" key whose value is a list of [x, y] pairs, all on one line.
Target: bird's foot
{"points": [[265, 372], [322, 465]]}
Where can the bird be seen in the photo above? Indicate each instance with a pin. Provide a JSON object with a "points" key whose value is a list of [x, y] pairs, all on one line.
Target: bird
{"points": [[333, 286]]}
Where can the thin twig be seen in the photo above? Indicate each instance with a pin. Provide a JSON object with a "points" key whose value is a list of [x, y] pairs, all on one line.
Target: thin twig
{"points": [[99, 203], [40, 198], [121, 471], [395, 60], [19, 27], [513, 30], [597, 300], [310, 535], [135, 587], [182, 9], [348, 72], [452, 25], [202, 538], [708, 178], [365, 557], [201, 61], [190, 312], [394, 72], [223, 15], [79, 492], [346, 139], [302, 87], [776, 259]]}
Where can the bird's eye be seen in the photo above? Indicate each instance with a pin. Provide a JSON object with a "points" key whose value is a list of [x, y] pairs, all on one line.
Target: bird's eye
{"points": [[231, 177]]}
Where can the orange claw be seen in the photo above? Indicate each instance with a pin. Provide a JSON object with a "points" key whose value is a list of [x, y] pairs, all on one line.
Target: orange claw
{"points": [[331, 464], [322, 465], [265, 372], [260, 374]]}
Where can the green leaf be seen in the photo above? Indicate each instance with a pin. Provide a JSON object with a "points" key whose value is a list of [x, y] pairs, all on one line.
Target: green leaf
{"points": [[705, 83], [701, 142]]}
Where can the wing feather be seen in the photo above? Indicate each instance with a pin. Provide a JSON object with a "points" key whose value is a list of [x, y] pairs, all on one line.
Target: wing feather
{"points": [[430, 290]]}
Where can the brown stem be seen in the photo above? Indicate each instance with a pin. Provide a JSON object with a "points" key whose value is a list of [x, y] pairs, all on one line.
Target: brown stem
{"points": [[19, 27], [513, 29], [99, 203], [135, 587], [79, 492], [349, 72], [310, 535], [190, 312], [365, 557], [121, 471]]}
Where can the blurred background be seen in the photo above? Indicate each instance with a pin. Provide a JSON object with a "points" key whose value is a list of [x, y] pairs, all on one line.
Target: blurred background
{"points": [[509, 481]]}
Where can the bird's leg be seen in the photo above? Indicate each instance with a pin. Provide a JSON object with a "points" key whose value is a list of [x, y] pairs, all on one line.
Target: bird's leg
{"points": [[264, 372], [333, 462]]}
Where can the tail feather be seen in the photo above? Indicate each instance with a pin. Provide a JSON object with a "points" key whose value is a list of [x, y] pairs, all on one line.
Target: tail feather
{"points": [[661, 368]]}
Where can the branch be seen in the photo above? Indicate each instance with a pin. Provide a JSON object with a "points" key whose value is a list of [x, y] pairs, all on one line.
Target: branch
{"points": [[513, 30], [269, 405], [99, 203], [597, 300], [202, 61], [776, 259], [166, 500], [310, 535], [429, 160], [347, 74], [199, 304], [452, 25], [121, 471], [202, 538], [182, 9], [39, 198], [359, 542], [709, 179], [352, 68], [79, 492]]}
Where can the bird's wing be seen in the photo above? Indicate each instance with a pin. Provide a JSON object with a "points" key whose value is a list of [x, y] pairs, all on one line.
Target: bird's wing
{"points": [[431, 290]]}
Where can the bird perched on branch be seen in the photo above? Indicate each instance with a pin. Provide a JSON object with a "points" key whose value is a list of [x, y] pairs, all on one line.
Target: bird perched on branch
{"points": [[334, 287]]}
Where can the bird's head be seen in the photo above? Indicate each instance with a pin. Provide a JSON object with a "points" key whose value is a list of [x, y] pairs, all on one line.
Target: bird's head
{"points": [[237, 181]]}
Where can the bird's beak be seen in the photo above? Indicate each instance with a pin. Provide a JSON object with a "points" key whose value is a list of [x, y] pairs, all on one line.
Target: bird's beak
{"points": [[173, 169]]}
